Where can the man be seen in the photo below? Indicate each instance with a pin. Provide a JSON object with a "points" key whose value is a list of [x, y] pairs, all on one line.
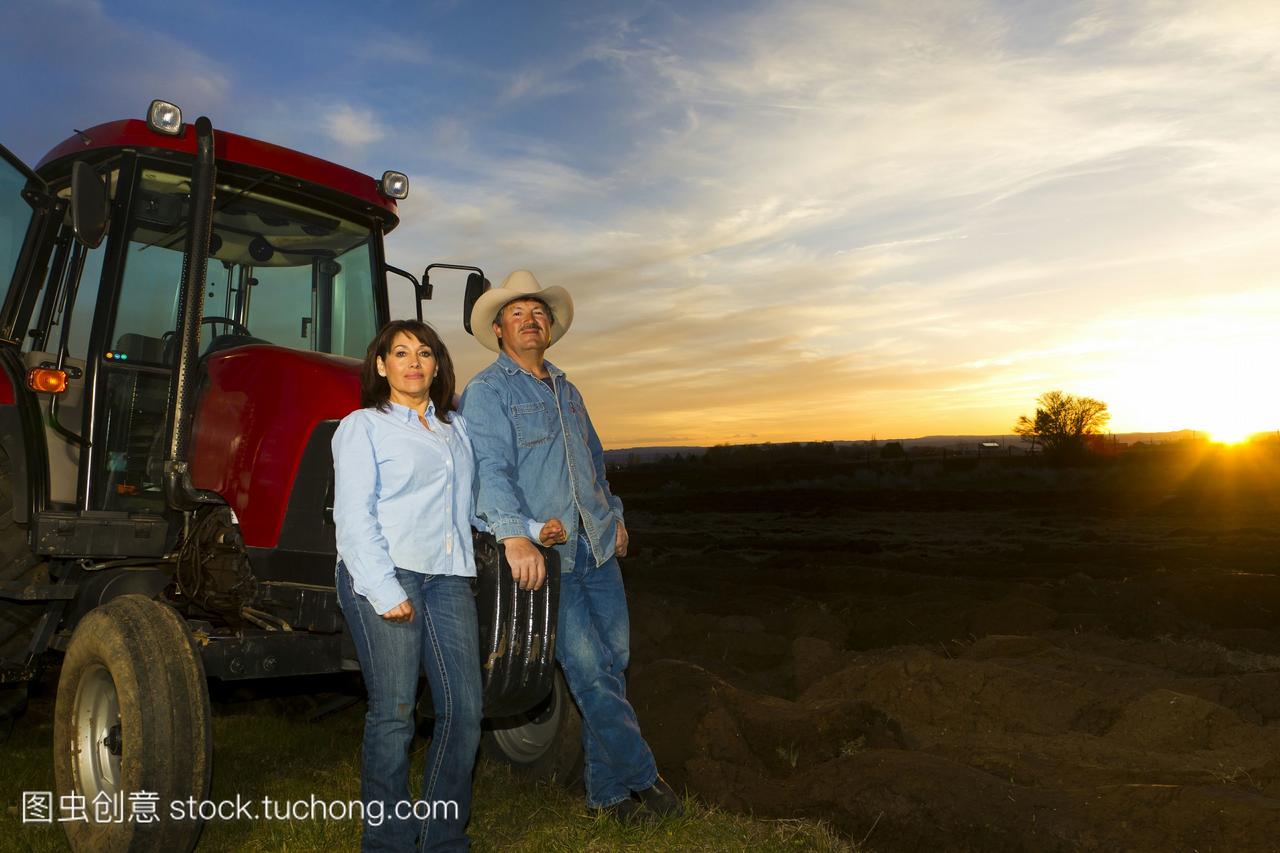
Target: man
{"points": [[538, 457]]}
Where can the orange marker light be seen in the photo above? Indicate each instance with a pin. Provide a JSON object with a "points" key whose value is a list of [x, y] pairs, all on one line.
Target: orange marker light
{"points": [[47, 380]]}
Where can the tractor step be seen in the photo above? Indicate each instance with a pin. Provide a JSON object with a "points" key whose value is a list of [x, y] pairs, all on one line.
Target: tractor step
{"points": [[100, 535]]}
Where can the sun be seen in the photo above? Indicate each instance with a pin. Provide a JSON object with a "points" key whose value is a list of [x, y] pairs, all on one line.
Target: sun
{"points": [[1230, 435], [1208, 383], [1233, 413]]}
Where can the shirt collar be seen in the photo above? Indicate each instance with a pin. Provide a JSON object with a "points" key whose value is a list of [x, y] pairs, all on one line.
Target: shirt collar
{"points": [[408, 415], [508, 364]]}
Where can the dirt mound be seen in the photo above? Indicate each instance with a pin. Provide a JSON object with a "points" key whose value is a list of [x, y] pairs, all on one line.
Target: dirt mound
{"points": [[1167, 720], [690, 713], [993, 677], [1012, 615]]}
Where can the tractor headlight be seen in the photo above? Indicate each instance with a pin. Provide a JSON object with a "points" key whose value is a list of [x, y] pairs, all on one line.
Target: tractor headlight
{"points": [[164, 117], [394, 185]]}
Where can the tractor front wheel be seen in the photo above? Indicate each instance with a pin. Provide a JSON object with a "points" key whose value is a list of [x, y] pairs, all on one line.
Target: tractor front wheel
{"points": [[131, 730]]}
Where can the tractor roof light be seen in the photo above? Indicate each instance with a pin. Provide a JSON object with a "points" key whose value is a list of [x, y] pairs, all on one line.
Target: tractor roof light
{"points": [[164, 117], [47, 380], [394, 185]]}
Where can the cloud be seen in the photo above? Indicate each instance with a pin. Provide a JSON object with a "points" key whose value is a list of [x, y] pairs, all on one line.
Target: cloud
{"points": [[800, 219], [532, 84], [971, 176], [114, 71], [352, 127], [392, 47]]}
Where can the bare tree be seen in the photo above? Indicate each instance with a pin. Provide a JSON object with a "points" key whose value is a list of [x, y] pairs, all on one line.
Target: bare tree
{"points": [[1061, 423]]}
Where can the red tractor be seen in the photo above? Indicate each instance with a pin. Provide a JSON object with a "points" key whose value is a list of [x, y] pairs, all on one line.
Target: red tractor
{"points": [[182, 316]]}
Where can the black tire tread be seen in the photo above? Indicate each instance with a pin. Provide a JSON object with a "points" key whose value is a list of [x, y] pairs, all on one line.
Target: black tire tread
{"points": [[164, 698]]}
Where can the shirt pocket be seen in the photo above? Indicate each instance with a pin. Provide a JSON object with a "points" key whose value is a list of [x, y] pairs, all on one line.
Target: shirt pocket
{"points": [[533, 423]]}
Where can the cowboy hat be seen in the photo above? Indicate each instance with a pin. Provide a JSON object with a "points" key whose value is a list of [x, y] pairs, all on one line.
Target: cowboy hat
{"points": [[520, 284]]}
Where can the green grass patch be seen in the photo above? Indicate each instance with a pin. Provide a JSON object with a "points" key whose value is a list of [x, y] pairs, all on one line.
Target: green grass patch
{"points": [[263, 753]]}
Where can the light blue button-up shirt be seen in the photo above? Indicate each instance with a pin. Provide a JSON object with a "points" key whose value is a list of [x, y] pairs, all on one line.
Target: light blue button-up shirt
{"points": [[402, 497]]}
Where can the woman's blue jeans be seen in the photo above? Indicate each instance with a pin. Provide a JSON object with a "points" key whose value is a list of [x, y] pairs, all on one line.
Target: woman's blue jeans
{"points": [[593, 646], [442, 640]]}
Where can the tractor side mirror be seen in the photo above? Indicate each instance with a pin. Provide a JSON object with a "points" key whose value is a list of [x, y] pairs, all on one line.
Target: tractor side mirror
{"points": [[477, 284], [90, 204]]}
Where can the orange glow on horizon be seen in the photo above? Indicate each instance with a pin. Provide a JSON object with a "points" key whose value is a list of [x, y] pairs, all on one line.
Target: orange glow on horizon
{"points": [[1186, 378], [1231, 436]]}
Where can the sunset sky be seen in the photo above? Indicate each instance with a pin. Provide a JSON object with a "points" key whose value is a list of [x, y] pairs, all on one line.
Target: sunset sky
{"points": [[779, 221]]}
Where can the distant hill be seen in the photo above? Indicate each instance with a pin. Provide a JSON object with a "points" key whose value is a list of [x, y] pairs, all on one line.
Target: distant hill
{"points": [[640, 455]]}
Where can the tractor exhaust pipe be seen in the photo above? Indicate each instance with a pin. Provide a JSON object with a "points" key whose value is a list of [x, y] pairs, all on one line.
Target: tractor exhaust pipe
{"points": [[179, 492]]}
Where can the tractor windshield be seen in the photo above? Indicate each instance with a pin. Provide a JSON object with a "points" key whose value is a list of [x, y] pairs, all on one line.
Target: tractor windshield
{"points": [[278, 273]]}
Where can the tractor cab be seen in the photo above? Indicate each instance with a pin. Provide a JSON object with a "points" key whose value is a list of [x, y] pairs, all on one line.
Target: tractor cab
{"points": [[291, 263]]}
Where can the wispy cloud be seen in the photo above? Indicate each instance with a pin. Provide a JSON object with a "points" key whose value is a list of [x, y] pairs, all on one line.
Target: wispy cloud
{"points": [[395, 47], [352, 127], [1040, 185], [814, 219], [533, 83], [114, 69]]}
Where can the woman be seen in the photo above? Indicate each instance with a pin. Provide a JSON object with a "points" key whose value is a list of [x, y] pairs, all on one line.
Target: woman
{"points": [[403, 510]]}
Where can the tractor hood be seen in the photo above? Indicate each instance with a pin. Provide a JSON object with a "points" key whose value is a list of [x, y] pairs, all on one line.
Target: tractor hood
{"points": [[256, 409]]}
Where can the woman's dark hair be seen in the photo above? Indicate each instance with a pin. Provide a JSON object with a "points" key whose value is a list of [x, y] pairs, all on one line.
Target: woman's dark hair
{"points": [[374, 390]]}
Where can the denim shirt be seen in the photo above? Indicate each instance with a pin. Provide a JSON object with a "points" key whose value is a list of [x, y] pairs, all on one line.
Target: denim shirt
{"points": [[402, 498], [538, 456]]}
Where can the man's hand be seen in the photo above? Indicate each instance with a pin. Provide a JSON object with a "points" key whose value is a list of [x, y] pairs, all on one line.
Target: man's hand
{"points": [[528, 568], [402, 612], [552, 533], [620, 540]]}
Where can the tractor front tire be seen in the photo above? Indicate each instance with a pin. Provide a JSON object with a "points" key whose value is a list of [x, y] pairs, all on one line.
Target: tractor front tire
{"points": [[131, 725]]}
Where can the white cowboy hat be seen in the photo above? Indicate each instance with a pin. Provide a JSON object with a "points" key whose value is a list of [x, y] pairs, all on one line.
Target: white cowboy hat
{"points": [[520, 283]]}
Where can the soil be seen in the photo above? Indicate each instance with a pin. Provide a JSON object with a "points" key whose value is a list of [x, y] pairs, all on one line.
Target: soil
{"points": [[936, 669]]}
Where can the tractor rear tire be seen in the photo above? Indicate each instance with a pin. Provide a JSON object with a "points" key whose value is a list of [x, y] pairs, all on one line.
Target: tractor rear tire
{"points": [[17, 620], [132, 722], [543, 744]]}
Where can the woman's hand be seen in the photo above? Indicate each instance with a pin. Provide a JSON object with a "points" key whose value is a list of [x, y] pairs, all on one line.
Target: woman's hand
{"points": [[402, 612], [552, 533]]}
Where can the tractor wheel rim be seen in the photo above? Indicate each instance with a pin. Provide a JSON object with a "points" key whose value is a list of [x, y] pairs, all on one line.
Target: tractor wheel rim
{"points": [[529, 742], [96, 720]]}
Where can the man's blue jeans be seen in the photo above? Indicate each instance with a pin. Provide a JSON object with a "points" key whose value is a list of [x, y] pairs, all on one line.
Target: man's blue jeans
{"points": [[442, 639], [593, 646]]}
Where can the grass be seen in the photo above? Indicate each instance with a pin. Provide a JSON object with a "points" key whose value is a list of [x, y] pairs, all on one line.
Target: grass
{"points": [[259, 752]]}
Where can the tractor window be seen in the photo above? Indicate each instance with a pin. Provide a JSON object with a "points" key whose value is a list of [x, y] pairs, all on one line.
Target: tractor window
{"points": [[15, 215], [338, 291], [55, 313], [148, 309], [278, 273], [82, 310]]}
